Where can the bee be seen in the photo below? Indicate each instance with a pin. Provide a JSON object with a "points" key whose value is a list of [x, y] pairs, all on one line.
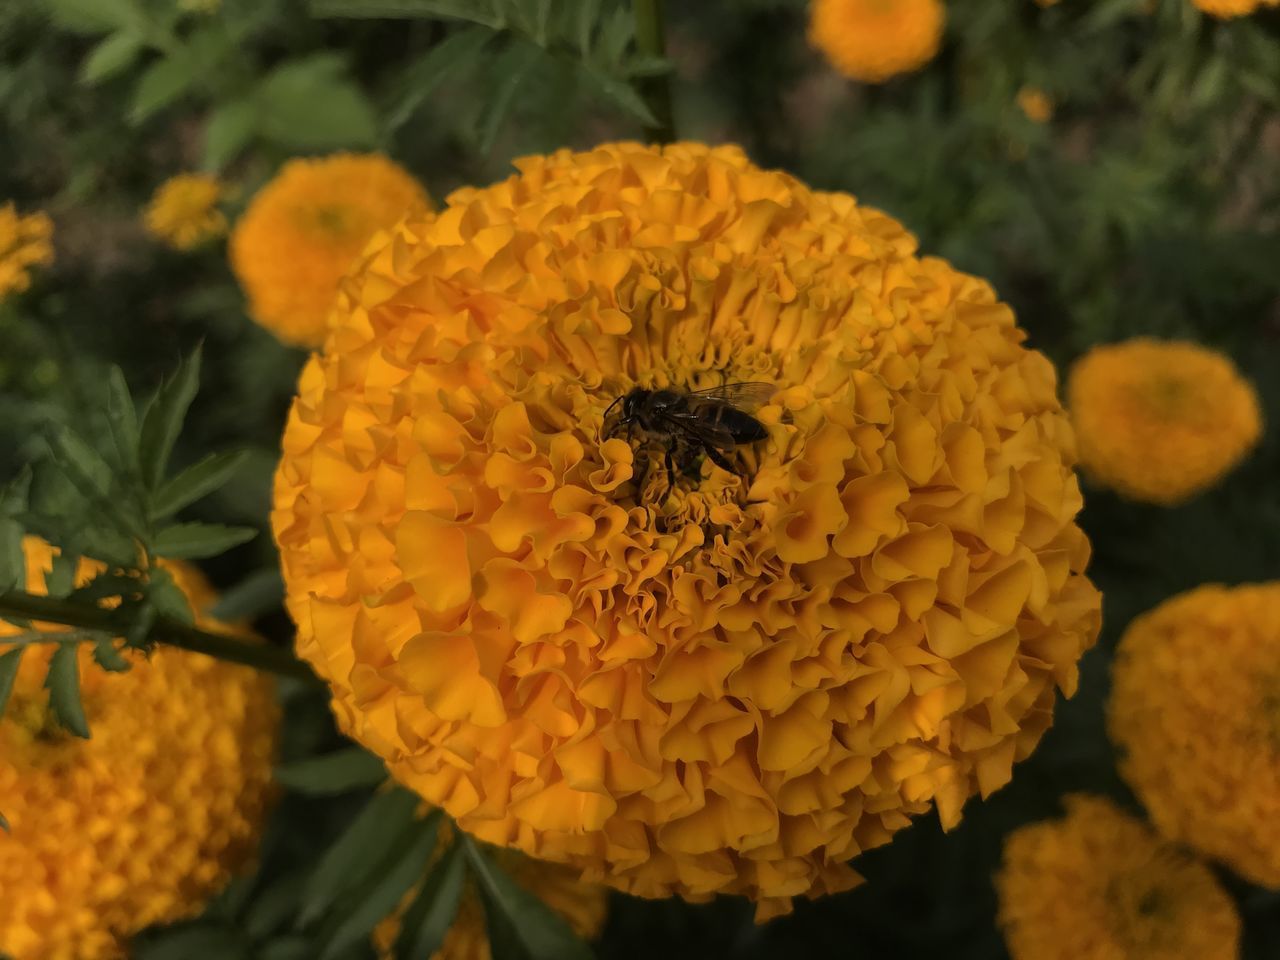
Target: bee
{"points": [[690, 424]]}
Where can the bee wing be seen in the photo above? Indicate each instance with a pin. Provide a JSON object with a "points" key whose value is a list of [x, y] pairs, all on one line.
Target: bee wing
{"points": [[701, 428], [747, 395]]}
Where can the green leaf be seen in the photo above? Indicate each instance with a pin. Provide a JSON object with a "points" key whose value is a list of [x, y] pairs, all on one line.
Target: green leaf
{"points": [[198, 480], [161, 84], [83, 465], [122, 419], [108, 584], [473, 11], [333, 773], [114, 54], [354, 857], [13, 563], [63, 683], [61, 578], [9, 663], [138, 636], [311, 104], [295, 947], [520, 925], [164, 417], [378, 897], [513, 66], [230, 127], [95, 16], [167, 597], [256, 594], [429, 916], [621, 94], [272, 908], [189, 541], [199, 940], [108, 657], [451, 58]]}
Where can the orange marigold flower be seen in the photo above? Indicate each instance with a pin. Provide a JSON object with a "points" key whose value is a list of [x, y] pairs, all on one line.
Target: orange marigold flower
{"points": [[147, 820], [873, 40], [1099, 885], [582, 905], [1035, 104], [1195, 710], [734, 685], [1161, 420], [303, 230], [25, 242], [1226, 9], [184, 212]]}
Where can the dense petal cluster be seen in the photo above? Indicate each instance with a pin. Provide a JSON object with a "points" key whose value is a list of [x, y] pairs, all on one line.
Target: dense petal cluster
{"points": [[582, 905], [1161, 420], [1225, 9], [735, 684], [303, 230], [1100, 885], [1195, 711], [145, 821], [183, 212], [25, 242], [873, 40]]}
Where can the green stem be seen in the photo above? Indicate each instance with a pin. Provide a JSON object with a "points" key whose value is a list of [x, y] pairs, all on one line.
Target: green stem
{"points": [[651, 39], [173, 633]]}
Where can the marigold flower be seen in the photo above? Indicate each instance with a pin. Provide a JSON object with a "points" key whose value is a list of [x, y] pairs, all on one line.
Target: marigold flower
{"points": [[304, 229], [1161, 420], [873, 40], [1226, 9], [25, 242], [1099, 885], [145, 821], [1195, 710], [582, 905], [734, 685], [1035, 104], [184, 212]]}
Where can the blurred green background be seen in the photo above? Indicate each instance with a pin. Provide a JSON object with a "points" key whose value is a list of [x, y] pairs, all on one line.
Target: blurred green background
{"points": [[1148, 204]]}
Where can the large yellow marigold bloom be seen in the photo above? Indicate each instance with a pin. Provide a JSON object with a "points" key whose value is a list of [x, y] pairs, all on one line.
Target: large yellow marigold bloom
{"points": [[25, 242], [1225, 9], [735, 686], [1161, 420], [873, 40], [303, 230], [145, 821], [1099, 885], [183, 212], [582, 905], [1195, 711]]}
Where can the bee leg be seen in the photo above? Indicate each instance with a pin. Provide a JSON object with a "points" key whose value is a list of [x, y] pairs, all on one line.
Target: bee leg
{"points": [[718, 458], [671, 470]]}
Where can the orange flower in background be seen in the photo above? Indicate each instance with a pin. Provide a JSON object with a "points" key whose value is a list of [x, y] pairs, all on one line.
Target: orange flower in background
{"points": [[873, 40], [25, 242], [733, 685], [1226, 9], [1035, 104], [303, 230], [1099, 885], [183, 212], [583, 906], [147, 820], [1161, 420], [1195, 711]]}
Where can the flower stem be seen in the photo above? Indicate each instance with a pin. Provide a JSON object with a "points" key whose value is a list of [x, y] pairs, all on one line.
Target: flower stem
{"points": [[173, 633], [651, 39]]}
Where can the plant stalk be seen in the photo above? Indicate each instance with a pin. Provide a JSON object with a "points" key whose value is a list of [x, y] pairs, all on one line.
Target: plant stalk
{"points": [[173, 633], [651, 40]]}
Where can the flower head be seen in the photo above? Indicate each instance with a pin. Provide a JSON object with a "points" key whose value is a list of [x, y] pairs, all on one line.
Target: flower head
{"points": [[303, 230], [25, 242], [1035, 104], [732, 684], [873, 40], [1195, 711], [184, 212], [1161, 421], [1099, 885], [581, 905], [145, 821], [1226, 9]]}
